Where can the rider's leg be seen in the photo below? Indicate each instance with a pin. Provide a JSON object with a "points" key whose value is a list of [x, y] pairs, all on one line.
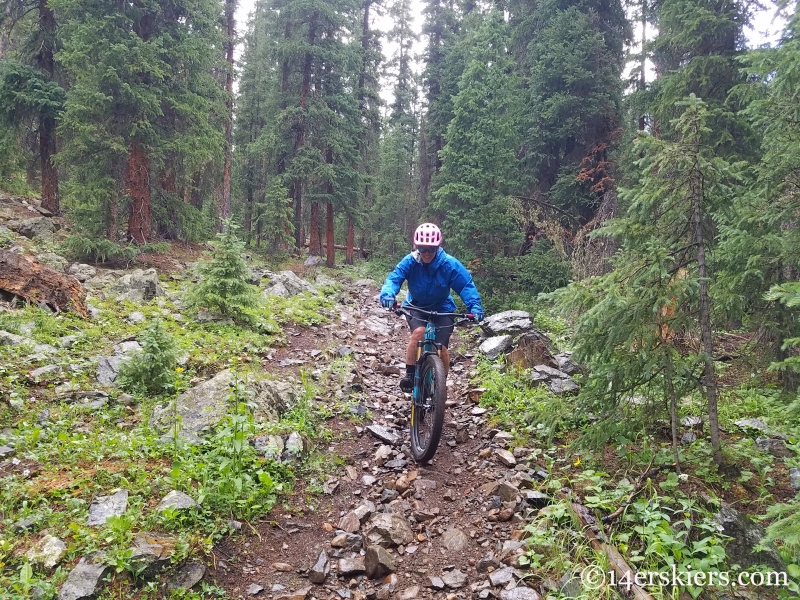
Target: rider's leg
{"points": [[411, 351], [407, 381], [446, 360]]}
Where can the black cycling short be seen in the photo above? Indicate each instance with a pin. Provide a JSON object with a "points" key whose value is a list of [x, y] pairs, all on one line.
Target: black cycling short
{"points": [[444, 326]]}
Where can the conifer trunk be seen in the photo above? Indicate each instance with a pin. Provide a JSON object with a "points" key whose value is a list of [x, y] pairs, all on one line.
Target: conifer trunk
{"points": [[230, 9], [331, 250], [709, 376], [140, 219], [47, 123], [297, 187], [314, 246], [351, 237]]}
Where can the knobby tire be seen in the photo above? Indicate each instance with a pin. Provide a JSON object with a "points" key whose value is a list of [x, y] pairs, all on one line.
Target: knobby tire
{"points": [[426, 425]]}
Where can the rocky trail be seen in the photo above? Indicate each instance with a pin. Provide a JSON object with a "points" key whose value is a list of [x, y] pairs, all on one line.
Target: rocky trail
{"points": [[387, 527]]}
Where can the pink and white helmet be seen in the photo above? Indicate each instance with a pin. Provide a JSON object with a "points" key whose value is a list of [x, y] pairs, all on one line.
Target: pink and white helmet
{"points": [[428, 234]]}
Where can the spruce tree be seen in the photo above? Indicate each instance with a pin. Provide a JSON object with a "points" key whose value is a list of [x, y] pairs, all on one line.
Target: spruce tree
{"points": [[142, 93], [225, 287], [660, 289], [480, 172]]}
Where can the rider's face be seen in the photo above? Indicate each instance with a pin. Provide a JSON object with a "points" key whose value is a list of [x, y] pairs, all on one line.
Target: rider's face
{"points": [[427, 253]]}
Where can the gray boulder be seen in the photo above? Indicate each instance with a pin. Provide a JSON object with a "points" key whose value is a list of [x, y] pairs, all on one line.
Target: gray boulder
{"points": [[176, 501], [11, 339], [186, 576], [83, 581], [47, 552], [389, 529], [82, 272], [207, 403], [151, 554], [138, 286], [108, 367], [40, 228], [495, 346], [746, 535], [107, 506], [286, 284], [794, 477], [508, 322], [53, 260]]}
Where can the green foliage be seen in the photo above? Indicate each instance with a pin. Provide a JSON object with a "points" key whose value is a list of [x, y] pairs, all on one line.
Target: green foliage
{"points": [[627, 320], [153, 369], [525, 408], [81, 248], [26, 93], [479, 165], [7, 238], [785, 529], [225, 288]]}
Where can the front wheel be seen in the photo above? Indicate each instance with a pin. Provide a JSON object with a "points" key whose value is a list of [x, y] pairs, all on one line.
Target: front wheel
{"points": [[427, 412]]}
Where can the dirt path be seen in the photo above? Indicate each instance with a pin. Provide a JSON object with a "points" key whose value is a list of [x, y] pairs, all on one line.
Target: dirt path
{"points": [[457, 530]]}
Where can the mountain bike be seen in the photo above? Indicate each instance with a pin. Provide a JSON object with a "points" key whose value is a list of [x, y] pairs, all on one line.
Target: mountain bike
{"points": [[430, 385]]}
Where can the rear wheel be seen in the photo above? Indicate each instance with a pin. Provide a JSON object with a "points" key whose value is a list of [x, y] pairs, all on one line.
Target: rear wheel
{"points": [[427, 413]]}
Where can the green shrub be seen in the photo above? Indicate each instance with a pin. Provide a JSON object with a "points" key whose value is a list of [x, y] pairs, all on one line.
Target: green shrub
{"points": [[153, 369], [85, 249], [6, 238], [225, 288]]}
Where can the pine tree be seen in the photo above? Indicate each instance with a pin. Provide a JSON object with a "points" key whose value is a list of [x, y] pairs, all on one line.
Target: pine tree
{"points": [[696, 52], [575, 58], [225, 287], [660, 288], [34, 92], [479, 172], [142, 93]]}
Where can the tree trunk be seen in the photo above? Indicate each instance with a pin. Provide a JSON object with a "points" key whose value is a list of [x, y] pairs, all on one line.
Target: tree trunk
{"points": [[47, 123], [230, 9], [195, 196], [709, 376], [351, 238], [314, 241], [673, 413], [643, 65], [247, 218], [24, 276], [300, 139], [140, 219], [331, 250]]}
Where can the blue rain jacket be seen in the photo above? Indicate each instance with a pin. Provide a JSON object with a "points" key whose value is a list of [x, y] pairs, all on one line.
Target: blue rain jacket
{"points": [[429, 285]]}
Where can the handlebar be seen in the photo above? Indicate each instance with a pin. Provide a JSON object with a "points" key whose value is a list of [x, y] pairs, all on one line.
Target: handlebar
{"points": [[404, 310]]}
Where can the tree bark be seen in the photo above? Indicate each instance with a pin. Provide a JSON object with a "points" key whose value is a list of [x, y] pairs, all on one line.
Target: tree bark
{"points": [[314, 241], [331, 249], [673, 413], [225, 209], [351, 237], [300, 139], [24, 276], [47, 122], [709, 375], [140, 220]]}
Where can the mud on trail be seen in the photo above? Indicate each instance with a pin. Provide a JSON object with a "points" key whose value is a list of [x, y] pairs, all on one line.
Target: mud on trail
{"points": [[444, 527]]}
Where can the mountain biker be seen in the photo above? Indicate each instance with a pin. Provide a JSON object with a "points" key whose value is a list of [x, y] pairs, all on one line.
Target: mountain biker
{"points": [[431, 273]]}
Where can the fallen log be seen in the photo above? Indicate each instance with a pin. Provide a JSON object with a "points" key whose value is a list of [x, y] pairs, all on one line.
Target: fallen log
{"points": [[625, 575], [24, 276], [363, 251]]}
